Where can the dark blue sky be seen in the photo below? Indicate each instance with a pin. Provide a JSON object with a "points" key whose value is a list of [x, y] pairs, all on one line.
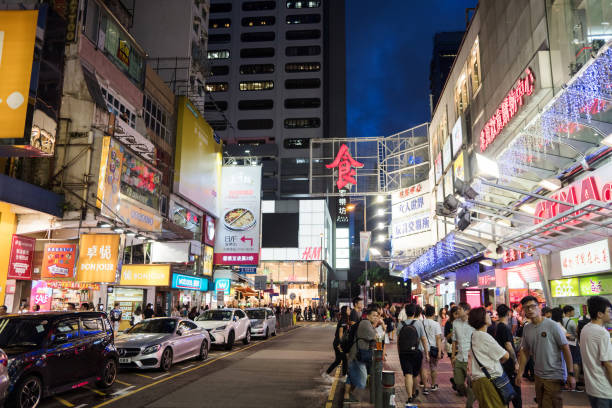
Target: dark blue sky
{"points": [[388, 51]]}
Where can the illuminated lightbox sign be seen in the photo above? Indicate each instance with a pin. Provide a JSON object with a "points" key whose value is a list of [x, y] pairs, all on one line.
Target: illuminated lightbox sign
{"points": [[593, 257], [186, 282], [346, 167], [411, 225]]}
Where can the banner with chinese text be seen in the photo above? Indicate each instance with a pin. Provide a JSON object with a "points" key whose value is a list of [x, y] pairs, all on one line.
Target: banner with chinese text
{"points": [[59, 261], [20, 261], [98, 258]]}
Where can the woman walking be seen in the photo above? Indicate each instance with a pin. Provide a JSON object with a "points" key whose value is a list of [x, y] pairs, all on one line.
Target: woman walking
{"points": [[487, 357], [341, 328], [137, 316]]}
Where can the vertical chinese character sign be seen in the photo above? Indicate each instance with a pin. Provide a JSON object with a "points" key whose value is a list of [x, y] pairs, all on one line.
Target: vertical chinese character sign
{"points": [[98, 258], [22, 254], [346, 167]]}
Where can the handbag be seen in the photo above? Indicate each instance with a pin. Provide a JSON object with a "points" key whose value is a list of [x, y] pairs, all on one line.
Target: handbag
{"points": [[433, 350], [502, 383]]}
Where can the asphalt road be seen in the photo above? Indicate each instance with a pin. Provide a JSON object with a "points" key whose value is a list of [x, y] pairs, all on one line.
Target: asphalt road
{"points": [[283, 371]]}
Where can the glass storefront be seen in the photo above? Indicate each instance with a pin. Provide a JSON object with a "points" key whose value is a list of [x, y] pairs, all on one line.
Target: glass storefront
{"points": [[129, 299], [56, 295]]}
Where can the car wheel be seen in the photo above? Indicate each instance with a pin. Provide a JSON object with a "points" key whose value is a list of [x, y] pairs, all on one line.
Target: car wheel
{"points": [[108, 374], [203, 351], [166, 360], [230, 341], [247, 337], [267, 333], [27, 394]]}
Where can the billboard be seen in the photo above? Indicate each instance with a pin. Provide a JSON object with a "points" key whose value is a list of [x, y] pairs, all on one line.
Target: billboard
{"points": [[59, 261], [411, 217], [197, 168], [238, 226], [145, 275], [98, 258]]}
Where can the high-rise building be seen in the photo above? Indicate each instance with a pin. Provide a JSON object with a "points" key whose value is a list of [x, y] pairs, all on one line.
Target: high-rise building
{"points": [[445, 48], [276, 81]]}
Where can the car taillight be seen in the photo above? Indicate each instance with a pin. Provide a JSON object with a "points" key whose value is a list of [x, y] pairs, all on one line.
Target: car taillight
{"points": [[3, 359]]}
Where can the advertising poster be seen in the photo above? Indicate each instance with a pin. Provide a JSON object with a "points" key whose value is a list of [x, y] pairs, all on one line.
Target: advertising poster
{"points": [[596, 285], [145, 275], [237, 237], [459, 167], [208, 261], [446, 154], [20, 261], [565, 287], [197, 168], [98, 258], [59, 261], [41, 295], [457, 136], [209, 230], [17, 36], [438, 165]]}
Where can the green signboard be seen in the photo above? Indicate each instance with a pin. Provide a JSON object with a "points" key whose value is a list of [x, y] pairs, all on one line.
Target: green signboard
{"points": [[596, 285], [565, 287]]}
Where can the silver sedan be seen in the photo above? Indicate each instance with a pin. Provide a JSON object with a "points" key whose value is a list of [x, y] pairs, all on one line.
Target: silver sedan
{"points": [[160, 342]]}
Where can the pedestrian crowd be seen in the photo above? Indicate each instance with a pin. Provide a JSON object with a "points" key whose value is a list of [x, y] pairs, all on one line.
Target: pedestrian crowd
{"points": [[492, 351]]}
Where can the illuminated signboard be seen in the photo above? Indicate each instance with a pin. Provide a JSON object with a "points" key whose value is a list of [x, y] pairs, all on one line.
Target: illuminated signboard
{"points": [[565, 287], [222, 285], [346, 167], [187, 282], [593, 257], [506, 110]]}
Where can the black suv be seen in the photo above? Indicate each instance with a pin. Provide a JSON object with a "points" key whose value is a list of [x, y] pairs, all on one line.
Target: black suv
{"points": [[56, 351]]}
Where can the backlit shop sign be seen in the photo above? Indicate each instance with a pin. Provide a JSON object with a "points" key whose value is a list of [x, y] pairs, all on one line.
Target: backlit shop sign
{"points": [[507, 110]]}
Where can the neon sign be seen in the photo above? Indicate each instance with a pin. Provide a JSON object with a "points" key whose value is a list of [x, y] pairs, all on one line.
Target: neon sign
{"points": [[506, 110], [345, 163]]}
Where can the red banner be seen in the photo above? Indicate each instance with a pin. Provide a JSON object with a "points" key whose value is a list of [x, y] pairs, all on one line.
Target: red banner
{"points": [[236, 259], [22, 254]]}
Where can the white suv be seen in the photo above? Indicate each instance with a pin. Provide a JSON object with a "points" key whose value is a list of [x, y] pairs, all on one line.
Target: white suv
{"points": [[225, 326]]}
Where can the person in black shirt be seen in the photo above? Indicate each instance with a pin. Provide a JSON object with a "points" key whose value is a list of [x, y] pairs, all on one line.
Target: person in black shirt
{"points": [[448, 335], [148, 312], [341, 328], [503, 335], [355, 315]]}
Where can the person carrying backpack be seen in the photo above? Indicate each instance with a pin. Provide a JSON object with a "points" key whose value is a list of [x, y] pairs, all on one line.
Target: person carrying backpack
{"points": [[362, 339], [115, 316], [410, 334]]}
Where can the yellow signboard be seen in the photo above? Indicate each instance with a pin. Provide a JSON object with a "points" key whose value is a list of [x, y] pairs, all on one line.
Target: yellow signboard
{"points": [[197, 172], [139, 218], [98, 257], [208, 261], [459, 167], [145, 275], [17, 36]]}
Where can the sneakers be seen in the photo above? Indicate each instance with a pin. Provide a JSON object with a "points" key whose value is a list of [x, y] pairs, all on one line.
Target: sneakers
{"points": [[434, 387], [425, 391], [578, 389], [452, 380]]}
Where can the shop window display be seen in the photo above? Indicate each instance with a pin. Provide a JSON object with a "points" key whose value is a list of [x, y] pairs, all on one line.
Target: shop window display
{"points": [[129, 299]]}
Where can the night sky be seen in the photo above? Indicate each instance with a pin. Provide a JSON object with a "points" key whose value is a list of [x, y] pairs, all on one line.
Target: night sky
{"points": [[388, 51]]}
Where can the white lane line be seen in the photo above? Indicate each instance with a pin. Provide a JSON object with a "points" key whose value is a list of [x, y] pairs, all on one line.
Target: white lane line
{"points": [[122, 391], [186, 367], [160, 376]]}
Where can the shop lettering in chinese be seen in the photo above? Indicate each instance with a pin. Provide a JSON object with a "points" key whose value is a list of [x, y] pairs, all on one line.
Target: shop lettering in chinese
{"points": [[507, 110], [593, 257], [511, 255], [98, 257], [346, 167], [412, 225], [342, 217], [22, 254], [59, 261], [583, 286]]}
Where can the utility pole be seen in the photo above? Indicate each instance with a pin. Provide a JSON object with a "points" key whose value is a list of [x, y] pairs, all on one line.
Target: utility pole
{"points": [[365, 228]]}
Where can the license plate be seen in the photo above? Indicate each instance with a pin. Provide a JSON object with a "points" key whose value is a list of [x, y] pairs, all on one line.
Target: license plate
{"points": [[124, 361]]}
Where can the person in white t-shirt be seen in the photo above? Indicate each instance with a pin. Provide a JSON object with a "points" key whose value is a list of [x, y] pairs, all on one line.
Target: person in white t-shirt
{"points": [[433, 334], [487, 354], [597, 353]]}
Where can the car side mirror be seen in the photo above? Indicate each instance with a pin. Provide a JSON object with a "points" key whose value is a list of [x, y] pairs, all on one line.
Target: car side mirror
{"points": [[235, 318], [179, 332]]}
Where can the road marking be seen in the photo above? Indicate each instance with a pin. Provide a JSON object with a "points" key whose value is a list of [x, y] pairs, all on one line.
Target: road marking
{"points": [[186, 367], [64, 402], [122, 394], [332, 391], [81, 406], [160, 376], [144, 376], [94, 390], [122, 383], [122, 391]]}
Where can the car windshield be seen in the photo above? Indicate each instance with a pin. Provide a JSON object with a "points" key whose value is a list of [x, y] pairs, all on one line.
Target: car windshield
{"points": [[18, 332], [154, 326], [221, 315], [256, 314]]}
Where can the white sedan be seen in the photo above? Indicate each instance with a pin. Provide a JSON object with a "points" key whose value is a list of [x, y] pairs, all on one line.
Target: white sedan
{"points": [[263, 321], [225, 326]]}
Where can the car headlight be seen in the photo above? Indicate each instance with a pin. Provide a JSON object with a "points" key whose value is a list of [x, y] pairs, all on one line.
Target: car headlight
{"points": [[220, 328], [151, 349]]}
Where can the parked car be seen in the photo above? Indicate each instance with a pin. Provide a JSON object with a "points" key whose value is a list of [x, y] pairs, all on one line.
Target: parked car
{"points": [[53, 352], [263, 321], [160, 342], [225, 326]]}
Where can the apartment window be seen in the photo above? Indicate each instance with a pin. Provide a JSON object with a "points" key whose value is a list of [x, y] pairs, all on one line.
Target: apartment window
{"points": [[218, 54], [215, 106], [219, 70], [303, 19], [156, 119], [256, 85], [303, 34], [256, 104], [302, 103], [117, 107], [474, 68], [255, 124], [303, 4], [302, 51], [218, 124], [303, 67], [257, 52], [217, 87], [258, 21], [254, 69], [258, 36], [219, 23], [461, 94], [302, 123], [297, 143], [258, 5], [307, 83], [219, 38], [220, 8]]}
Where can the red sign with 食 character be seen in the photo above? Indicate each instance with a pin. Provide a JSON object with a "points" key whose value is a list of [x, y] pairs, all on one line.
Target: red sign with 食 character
{"points": [[22, 254]]}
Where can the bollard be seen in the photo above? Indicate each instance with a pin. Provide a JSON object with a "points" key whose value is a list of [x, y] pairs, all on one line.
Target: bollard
{"points": [[388, 389], [377, 378]]}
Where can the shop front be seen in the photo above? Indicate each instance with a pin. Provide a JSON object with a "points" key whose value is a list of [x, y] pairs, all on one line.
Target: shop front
{"points": [[304, 282], [188, 290], [445, 294], [467, 284], [57, 295], [492, 283]]}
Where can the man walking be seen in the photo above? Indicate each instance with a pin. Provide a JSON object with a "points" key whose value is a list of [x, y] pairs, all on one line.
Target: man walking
{"points": [[544, 340], [597, 353], [115, 316], [571, 327], [503, 335], [462, 334], [410, 339], [355, 315], [357, 367]]}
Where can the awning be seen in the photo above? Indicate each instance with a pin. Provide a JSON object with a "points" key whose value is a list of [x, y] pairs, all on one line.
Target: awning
{"points": [[246, 291], [18, 192]]}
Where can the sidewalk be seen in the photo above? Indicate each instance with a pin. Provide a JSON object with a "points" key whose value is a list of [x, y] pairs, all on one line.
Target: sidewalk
{"points": [[445, 396]]}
